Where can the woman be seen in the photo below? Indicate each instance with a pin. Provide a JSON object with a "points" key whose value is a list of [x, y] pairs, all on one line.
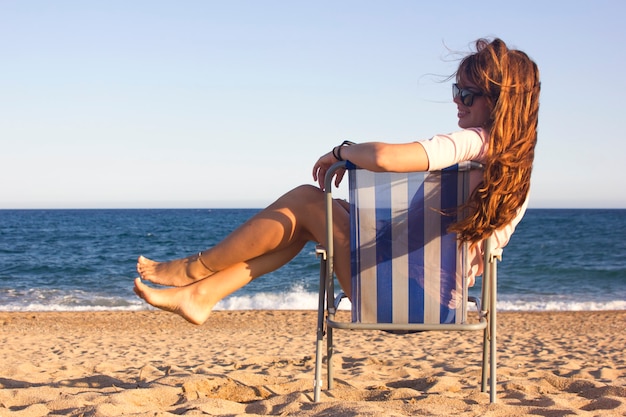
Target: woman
{"points": [[497, 95]]}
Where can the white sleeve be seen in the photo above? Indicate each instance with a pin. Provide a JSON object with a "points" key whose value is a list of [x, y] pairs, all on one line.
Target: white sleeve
{"points": [[465, 145]]}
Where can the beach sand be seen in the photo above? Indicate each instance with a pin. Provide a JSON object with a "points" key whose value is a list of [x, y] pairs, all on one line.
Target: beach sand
{"points": [[243, 363]]}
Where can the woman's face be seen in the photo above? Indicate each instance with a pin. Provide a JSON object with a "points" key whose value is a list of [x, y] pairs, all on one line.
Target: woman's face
{"points": [[476, 115]]}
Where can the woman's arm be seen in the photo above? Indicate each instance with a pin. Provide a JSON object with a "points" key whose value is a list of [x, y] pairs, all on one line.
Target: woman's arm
{"points": [[374, 156], [387, 157]]}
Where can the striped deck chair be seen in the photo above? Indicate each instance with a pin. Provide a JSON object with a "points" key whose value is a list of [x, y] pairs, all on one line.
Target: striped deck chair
{"points": [[408, 272]]}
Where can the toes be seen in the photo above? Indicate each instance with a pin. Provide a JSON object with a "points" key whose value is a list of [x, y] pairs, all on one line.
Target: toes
{"points": [[139, 288], [144, 266], [144, 261]]}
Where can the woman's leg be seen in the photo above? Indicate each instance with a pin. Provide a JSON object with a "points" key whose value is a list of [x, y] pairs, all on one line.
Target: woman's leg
{"points": [[296, 217], [195, 301], [274, 228]]}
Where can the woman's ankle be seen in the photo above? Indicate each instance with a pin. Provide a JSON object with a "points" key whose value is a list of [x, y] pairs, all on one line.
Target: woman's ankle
{"points": [[201, 267]]}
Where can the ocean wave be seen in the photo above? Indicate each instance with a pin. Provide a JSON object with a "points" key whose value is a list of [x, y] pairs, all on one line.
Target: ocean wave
{"points": [[45, 299], [34, 307], [297, 298], [569, 305]]}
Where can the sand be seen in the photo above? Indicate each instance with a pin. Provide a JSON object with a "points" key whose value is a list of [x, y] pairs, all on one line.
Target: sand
{"points": [[243, 363]]}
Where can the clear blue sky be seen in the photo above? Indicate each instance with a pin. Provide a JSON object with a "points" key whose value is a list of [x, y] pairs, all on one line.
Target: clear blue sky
{"points": [[229, 103]]}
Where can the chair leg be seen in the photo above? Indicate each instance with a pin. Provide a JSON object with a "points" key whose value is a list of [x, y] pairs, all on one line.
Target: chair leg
{"points": [[317, 385], [486, 336], [483, 378], [318, 366], [492, 365], [493, 326], [330, 349]]}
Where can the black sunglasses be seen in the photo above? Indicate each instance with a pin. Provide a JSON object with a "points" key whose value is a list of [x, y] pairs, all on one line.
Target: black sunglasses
{"points": [[466, 96]]}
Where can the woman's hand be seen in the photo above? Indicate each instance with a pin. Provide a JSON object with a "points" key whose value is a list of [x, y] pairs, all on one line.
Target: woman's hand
{"points": [[322, 166]]}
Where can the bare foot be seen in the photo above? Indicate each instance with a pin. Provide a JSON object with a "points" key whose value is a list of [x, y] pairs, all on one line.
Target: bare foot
{"points": [[176, 273], [190, 302]]}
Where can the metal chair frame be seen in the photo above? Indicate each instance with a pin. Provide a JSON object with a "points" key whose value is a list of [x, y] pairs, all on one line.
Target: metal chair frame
{"points": [[328, 305]]}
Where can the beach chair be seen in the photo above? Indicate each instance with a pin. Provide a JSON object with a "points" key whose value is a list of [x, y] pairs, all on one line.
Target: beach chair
{"points": [[408, 272]]}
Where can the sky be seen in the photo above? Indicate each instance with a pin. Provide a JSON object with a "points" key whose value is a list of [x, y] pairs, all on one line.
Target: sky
{"points": [[209, 104]]}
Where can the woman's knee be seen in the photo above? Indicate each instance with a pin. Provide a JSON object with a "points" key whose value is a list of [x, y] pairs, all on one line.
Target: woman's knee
{"points": [[307, 194], [300, 200], [307, 203]]}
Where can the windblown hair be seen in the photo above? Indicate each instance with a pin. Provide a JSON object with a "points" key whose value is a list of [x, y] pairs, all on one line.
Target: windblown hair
{"points": [[509, 79]]}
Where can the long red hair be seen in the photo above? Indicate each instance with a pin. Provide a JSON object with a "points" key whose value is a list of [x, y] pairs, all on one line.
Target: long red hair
{"points": [[509, 79]]}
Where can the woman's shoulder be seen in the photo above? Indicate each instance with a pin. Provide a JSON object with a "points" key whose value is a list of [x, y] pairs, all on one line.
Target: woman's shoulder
{"points": [[475, 135], [472, 132], [451, 148]]}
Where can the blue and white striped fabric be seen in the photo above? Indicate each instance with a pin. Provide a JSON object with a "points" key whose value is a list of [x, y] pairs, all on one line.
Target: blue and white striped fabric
{"points": [[406, 267]]}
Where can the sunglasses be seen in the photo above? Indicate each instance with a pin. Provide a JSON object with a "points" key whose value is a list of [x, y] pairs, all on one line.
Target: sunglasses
{"points": [[466, 96]]}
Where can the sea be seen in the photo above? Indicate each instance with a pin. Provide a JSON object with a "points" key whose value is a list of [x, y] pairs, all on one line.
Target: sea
{"points": [[84, 260]]}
